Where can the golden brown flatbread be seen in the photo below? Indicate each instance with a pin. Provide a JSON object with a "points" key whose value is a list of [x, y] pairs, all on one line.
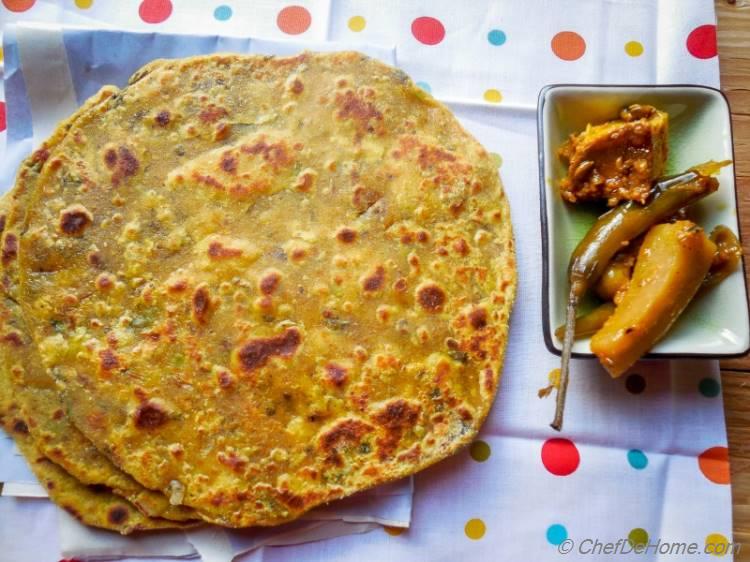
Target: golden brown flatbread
{"points": [[265, 283], [33, 390]]}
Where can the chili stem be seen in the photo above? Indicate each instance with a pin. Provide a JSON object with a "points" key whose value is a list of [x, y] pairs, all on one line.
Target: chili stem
{"points": [[562, 389]]}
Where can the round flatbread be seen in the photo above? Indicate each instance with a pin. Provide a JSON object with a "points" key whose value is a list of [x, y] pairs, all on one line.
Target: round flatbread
{"points": [[266, 283], [93, 505], [49, 431]]}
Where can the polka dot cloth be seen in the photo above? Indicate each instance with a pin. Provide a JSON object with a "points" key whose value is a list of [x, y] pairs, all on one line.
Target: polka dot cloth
{"points": [[429, 30]]}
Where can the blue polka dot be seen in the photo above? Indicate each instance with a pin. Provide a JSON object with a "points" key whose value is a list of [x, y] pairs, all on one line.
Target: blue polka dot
{"points": [[223, 13], [425, 86], [637, 459], [556, 534], [496, 37]]}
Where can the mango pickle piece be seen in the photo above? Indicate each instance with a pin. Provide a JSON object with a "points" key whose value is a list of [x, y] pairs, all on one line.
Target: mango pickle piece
{"points": [[614, 281], [590, 323], [727, 258], [671, 266], [617, 160]]}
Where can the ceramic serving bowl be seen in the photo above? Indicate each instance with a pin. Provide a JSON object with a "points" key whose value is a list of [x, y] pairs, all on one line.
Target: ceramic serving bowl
{"points": [[714, 325]]}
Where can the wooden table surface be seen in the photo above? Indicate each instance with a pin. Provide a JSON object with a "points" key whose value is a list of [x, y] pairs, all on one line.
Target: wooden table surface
{"points": [[734, 58]]}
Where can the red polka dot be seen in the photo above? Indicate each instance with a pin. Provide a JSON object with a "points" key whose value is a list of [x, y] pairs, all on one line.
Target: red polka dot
{"points": [[18, 5], [568, 45], [294, 20], [701, 43], [427, 30], [155, 11], [560, 456], [3, 123]]}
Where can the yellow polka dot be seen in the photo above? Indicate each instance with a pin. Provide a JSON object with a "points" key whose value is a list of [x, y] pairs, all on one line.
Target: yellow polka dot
{"points": [[634, 48], [493, 96], [479, 451], [84, 4], [475, 529], [497, 160], [717, 544], [393, 531], [1, 54], [357, 23]]}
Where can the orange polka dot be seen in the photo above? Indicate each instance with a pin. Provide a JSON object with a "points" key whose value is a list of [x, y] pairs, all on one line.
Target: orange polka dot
{"points": [[294, 20], [393, 531], [18, 5], [714, 464], [568, 45]]}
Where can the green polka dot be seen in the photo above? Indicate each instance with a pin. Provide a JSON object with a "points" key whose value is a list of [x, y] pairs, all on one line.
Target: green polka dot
{"points": [[638, 537], [480, 451], [710, 388], [497, 160]]}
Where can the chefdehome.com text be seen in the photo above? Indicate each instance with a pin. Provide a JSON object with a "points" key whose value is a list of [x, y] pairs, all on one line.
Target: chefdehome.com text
{"points": [[659, 546]]}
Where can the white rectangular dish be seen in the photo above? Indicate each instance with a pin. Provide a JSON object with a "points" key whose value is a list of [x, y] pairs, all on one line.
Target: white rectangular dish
{"points": [[717, 323]]}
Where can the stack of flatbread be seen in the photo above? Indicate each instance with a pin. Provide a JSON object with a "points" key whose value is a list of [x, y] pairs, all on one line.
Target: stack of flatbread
{"points": [[244, 286]]}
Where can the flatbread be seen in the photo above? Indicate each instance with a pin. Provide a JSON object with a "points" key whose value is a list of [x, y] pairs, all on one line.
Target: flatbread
{"points": [[93, 505], [97, 506], [266, 283], [34, 392]]}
